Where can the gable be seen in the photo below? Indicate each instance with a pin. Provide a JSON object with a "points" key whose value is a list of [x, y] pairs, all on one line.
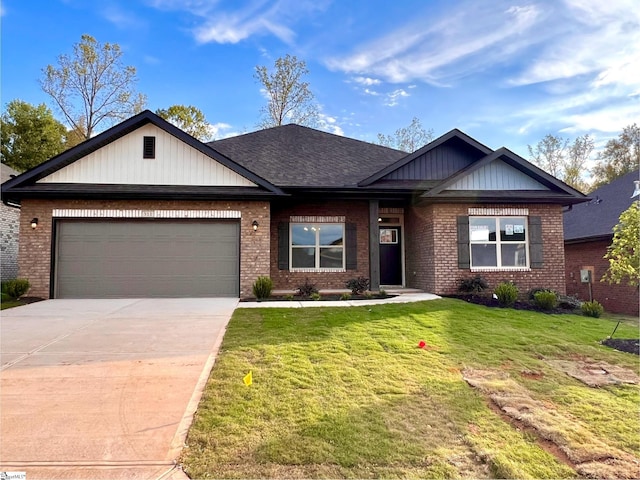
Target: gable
{"points": [[438, 163], [121, 162], [497, 175]]}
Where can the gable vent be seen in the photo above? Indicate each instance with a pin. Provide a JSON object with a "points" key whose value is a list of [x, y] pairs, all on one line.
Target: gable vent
{"points": [[149, 147]]}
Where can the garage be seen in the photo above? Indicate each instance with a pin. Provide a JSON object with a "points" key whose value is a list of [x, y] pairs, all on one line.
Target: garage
{"points": [[146, 258]]}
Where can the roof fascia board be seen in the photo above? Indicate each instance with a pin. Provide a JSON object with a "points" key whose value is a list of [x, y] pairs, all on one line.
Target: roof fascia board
{"points": [[455, 133]]}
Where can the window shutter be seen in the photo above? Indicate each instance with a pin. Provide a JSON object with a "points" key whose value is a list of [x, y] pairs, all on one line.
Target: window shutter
{"points": [[464, 259], [351, 243], [535, 242], [283, 246]]}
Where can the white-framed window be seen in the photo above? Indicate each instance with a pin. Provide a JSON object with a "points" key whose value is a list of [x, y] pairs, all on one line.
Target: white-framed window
{"points": [[499, 242], [317, 246]]}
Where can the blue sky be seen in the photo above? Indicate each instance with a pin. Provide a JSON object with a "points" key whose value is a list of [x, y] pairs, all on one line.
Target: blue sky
{"points": [[506, 72]]}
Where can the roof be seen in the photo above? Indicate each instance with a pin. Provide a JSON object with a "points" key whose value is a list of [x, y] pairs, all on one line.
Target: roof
{"points": [[595, 219], [296, 156], [296, 160], [7, 173], [30, 177]]}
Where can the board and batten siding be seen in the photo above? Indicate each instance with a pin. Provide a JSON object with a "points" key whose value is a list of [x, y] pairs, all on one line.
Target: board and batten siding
{"points": [[122, 162], [437, 164], [497, 175]]}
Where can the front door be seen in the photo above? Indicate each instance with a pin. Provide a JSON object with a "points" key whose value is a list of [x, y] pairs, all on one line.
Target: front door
{"points": [[390, 255]]}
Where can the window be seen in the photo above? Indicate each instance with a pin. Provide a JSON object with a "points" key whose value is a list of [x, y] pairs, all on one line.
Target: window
{"points": [[149, 147], [317, 246], [498, 242]]}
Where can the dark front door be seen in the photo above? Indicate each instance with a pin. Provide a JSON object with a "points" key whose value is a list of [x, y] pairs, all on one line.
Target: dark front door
{"points": [[390, 256]]}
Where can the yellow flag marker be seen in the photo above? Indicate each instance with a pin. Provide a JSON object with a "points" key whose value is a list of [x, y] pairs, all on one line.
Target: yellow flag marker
{"points": [[248, 379]]}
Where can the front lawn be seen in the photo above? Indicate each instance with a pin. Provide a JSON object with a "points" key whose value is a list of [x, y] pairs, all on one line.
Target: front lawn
{"points": [[347, 393]]}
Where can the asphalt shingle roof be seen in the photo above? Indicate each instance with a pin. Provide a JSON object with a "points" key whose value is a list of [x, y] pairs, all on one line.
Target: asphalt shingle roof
{"points": [[597, 217], [297, 156]]}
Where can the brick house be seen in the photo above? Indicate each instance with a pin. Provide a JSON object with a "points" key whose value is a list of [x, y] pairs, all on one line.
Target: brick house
{"points": [[143, 209], [588, 231], [9, 233]]}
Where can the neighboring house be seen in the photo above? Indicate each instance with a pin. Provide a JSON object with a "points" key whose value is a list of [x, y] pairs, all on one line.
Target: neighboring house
{"points": [[9, 232], [588, 231], [143, 209]]}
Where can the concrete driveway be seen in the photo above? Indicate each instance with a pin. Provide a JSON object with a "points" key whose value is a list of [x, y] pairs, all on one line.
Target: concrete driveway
{"points": [[104, 388]]}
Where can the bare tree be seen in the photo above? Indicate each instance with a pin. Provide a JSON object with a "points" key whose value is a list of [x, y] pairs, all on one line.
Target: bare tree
{"points": [[92, 86], [289, 99], [576, 162], [549, 154], [408, 139]]}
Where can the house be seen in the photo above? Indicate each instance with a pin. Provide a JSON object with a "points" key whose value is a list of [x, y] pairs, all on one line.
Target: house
{"points": [[9, 232], [588, 231], [143, 209]]}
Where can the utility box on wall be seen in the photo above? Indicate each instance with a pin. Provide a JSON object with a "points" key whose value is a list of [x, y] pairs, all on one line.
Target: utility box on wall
{"points": [[585, 276]]}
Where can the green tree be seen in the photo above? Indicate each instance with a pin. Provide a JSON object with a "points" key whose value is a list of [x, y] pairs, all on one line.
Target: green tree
{"points": [[289, 98], [29, 135], [92, 86], [408, 139], [624, 252], [620, 156], [189, 119]]}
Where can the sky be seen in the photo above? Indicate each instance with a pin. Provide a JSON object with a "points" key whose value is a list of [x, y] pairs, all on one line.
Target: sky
{"points": [[506, 72]]}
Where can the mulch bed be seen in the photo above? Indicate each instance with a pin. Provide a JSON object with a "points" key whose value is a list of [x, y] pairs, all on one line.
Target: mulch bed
{"points": [[628, 345], [492, 302], [323, 298]]}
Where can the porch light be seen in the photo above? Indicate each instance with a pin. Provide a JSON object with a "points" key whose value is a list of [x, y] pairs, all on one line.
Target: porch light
{"points": [[636, 191], [34, 223], [255, 225], [379, 219]]}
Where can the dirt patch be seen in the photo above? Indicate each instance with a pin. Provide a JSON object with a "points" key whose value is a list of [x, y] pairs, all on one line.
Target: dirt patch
{"points": [[628, 345], [595, 374], [323, 298], [531, 375], [586, 453]]}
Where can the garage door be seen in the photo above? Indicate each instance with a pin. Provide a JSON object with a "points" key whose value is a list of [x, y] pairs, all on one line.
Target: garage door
{"points": [[156, 258]]}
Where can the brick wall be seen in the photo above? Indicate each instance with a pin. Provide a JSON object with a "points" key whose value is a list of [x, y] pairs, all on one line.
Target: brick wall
{"points": [[589, 255], [9, 240], [35, 250], [355, 212], [432, 254]]}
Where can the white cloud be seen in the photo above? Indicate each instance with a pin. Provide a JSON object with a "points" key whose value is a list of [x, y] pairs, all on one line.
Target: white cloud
{"points": [[469, 38], [373, 93], [220, 130], [367, 81], [237, 21], [329, 124], [392, 98], [122, 19]]}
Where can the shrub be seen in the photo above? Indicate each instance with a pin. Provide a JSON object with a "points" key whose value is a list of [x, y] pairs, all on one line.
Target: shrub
{"points": [[368, 295], [507, 294], [592, 309], [307, 288], [545, 299], [262, 288], [315, 296], [382, 293], [345, 296], [288, 297], [568, 302], [531, 294], [473, 285], [358, 285], [15, 288]]}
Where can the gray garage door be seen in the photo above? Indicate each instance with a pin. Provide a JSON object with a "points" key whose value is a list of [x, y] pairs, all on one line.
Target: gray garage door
{"points": [[156, 258]]}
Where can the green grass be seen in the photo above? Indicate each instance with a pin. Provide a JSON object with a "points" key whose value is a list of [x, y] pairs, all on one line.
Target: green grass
{"points": [[346, 393]]}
